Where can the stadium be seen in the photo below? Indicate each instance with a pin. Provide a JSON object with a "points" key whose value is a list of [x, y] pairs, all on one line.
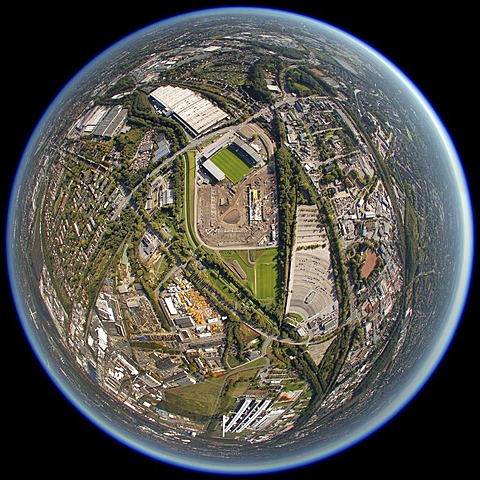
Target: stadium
{"points": [[230, 158]]}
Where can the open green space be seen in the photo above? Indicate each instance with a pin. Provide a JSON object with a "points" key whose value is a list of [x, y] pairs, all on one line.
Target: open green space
{"points": [[248, 268], [266, 274], [189, 206], [261, 273], [233, 166], [197, 400], [214, 396]]}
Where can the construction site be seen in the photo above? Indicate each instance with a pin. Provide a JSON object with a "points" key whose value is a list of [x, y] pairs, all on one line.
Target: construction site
{"points": [[244, 214]]}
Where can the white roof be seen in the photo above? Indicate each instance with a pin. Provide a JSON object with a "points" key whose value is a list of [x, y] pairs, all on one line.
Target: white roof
{"points": [[171, 306], [197, 112], [214, 170], [102, 338]]}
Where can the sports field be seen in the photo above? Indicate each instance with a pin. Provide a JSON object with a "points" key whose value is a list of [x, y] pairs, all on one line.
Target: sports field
{"points": [[261, 275], [234, 167], [266, 274]]}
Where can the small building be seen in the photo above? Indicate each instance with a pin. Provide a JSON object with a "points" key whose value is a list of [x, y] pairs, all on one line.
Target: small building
{"points": [[329, 325], [133, 302], [171, 307], [184, 322]]}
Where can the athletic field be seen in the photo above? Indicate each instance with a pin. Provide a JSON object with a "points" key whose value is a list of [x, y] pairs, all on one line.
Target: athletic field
{"points": [[266, 273], [232, 166], [260, 271]]}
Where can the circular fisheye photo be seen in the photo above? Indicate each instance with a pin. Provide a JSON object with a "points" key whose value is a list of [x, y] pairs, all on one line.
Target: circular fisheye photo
{"points": [[238, 241]]}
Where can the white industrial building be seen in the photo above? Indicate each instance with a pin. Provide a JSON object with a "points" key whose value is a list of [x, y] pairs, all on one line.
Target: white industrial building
{"points": [[252, 413], [197, 114], [171, 307]]}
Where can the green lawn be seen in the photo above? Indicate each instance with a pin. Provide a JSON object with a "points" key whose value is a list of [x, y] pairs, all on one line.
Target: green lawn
{"points": [[189, 207], [261, 275], [233, 167], [266, 274], [198, 399], [248, 268]]}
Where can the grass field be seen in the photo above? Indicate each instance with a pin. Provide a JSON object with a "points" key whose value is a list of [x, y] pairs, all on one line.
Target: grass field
{"points": [[266, 274], [248, 268], [189, 205], [233, 167], [261, 275], [199, 399]]}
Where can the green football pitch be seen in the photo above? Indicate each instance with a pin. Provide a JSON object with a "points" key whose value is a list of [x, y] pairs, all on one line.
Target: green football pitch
{"points": [[262, 274], [229, 163], [266, 273]]}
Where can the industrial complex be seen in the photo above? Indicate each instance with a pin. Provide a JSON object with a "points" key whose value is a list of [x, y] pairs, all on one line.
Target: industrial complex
{"points": [[194, 112]]}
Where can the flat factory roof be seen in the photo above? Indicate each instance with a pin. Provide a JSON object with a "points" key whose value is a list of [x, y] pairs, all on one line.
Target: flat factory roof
{"points": [[197, 113]]}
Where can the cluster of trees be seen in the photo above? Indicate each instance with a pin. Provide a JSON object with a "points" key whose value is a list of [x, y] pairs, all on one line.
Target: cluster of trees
{"points": [[334, 358], [358, 337], [178, 181], [127, 143], [304, 82], [332, 173], [293, 187], [322, 377], [355, 264], [297, 358], [290, 52], [144, 280], [141, 118], [336, 258], [256, 84], [386, 349], [287, 208], [306, 189], [107, 251], [356, 260], [412, 248], [150, 292], [278, 130], [234, 342], [125, 84]]}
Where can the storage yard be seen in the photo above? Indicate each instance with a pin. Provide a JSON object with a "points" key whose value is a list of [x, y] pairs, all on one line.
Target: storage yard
{"points": [[238, 215]]}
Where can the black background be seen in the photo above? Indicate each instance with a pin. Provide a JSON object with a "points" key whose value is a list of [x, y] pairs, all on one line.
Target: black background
{"points": [[48, 45]]}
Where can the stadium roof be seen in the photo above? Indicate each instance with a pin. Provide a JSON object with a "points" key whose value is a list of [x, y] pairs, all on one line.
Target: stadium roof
{"points": [[213, 170], [251, 154]]}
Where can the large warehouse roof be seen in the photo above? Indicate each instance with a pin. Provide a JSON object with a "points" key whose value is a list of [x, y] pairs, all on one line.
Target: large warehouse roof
{"points": [[195, 112], [111, 122]]}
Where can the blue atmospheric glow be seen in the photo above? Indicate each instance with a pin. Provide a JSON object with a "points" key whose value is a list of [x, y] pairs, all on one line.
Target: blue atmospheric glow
{"points": [[371, 424]]}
